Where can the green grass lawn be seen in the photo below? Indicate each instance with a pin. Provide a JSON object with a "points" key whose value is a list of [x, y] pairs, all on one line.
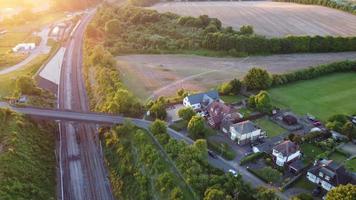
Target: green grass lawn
{"points": [[351, 165], [310, 151], [304, 183], [322, 97], [268, 174], [337, 157], [272, 129], [232, 98]]}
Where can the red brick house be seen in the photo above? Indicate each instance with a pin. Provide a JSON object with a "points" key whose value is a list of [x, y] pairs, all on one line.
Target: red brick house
{"points": [[219, 112]]}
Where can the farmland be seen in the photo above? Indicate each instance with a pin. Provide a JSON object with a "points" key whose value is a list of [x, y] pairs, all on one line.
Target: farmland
{"points": [[272, 19], [162, 75], [321, 97]]}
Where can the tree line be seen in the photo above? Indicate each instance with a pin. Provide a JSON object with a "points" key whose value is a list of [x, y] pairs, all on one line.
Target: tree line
{"points": [[343, 5], [131, 29]]}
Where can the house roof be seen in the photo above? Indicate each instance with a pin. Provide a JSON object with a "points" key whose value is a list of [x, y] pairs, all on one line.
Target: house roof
{"points": [[244, 127], [286, 148], [198, 98], [332, 169]]}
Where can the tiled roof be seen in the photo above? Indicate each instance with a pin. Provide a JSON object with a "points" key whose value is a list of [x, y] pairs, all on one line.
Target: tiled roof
{"points": [[286, 148], [245, 127], [198, 98]]}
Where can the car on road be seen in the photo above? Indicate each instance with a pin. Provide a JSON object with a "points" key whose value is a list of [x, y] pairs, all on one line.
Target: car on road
{"points": [[233, 172], [212, 154]]}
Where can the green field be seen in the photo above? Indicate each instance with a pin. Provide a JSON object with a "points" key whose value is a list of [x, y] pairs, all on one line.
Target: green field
{"points": [[322, 97], [271, 128]]}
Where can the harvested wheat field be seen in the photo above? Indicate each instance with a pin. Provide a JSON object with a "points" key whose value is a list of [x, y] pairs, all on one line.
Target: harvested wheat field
{"points": [[272, 19], [162, 75]]}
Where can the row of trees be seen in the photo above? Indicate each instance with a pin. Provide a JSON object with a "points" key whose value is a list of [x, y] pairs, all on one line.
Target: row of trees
{"points": [[254, 44], [260, 79], [347, 6], [108, 94]]}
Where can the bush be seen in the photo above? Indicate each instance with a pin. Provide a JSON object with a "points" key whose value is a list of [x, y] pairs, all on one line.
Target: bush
{"points": [[257, 79], [251, 158]]}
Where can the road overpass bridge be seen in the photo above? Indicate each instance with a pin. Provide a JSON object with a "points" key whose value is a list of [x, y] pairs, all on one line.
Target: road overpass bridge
{"points": [[86, 117]]}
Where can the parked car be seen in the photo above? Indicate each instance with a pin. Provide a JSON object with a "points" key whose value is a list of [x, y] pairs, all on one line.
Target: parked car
{"points": [[233, 172], [212, 154]]}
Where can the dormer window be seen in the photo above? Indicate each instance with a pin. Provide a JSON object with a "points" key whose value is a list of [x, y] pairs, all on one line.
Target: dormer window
{"points": [[321, 174]]}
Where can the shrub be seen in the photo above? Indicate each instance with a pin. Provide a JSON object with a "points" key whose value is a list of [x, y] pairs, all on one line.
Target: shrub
{"points": [[251, 158], [257, 79]]}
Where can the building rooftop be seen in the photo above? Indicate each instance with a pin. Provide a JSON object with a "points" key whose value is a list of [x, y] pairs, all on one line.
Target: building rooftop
{"points": [[245, 127], [198, 98], [286, 148]]}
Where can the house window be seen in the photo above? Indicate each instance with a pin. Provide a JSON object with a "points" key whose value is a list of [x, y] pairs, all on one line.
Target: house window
{"points": [[321, 174]]}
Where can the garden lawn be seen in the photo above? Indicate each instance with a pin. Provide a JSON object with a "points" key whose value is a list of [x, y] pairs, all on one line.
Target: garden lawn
{"points": [[322, 97], [304, 183], [337, 157], [310, 151], [351, 165], [272, 129], [268, 174]]}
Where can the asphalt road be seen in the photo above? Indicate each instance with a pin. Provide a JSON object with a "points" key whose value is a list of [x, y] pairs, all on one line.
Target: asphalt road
{"points": [[100, 118]]}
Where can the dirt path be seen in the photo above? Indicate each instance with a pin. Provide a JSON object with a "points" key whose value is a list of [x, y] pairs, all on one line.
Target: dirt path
{"points": [[150, 76], [272, 19]]}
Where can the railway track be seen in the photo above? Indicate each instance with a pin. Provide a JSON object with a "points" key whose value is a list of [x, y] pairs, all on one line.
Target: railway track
{"points": [[82, 171]]}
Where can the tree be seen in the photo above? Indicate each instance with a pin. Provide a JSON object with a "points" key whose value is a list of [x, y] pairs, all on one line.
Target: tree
{"points": [[342, 192], [176, 194], [165, 182], [214, 194], [265, 194], [225, 89], [348, 130], [257, 79], [26, 85], [158, 127], [186, 113], [196, 127], [246, 30], [113, 27], [235, 86], [263, 102], [158, 110], [200, 147]]}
